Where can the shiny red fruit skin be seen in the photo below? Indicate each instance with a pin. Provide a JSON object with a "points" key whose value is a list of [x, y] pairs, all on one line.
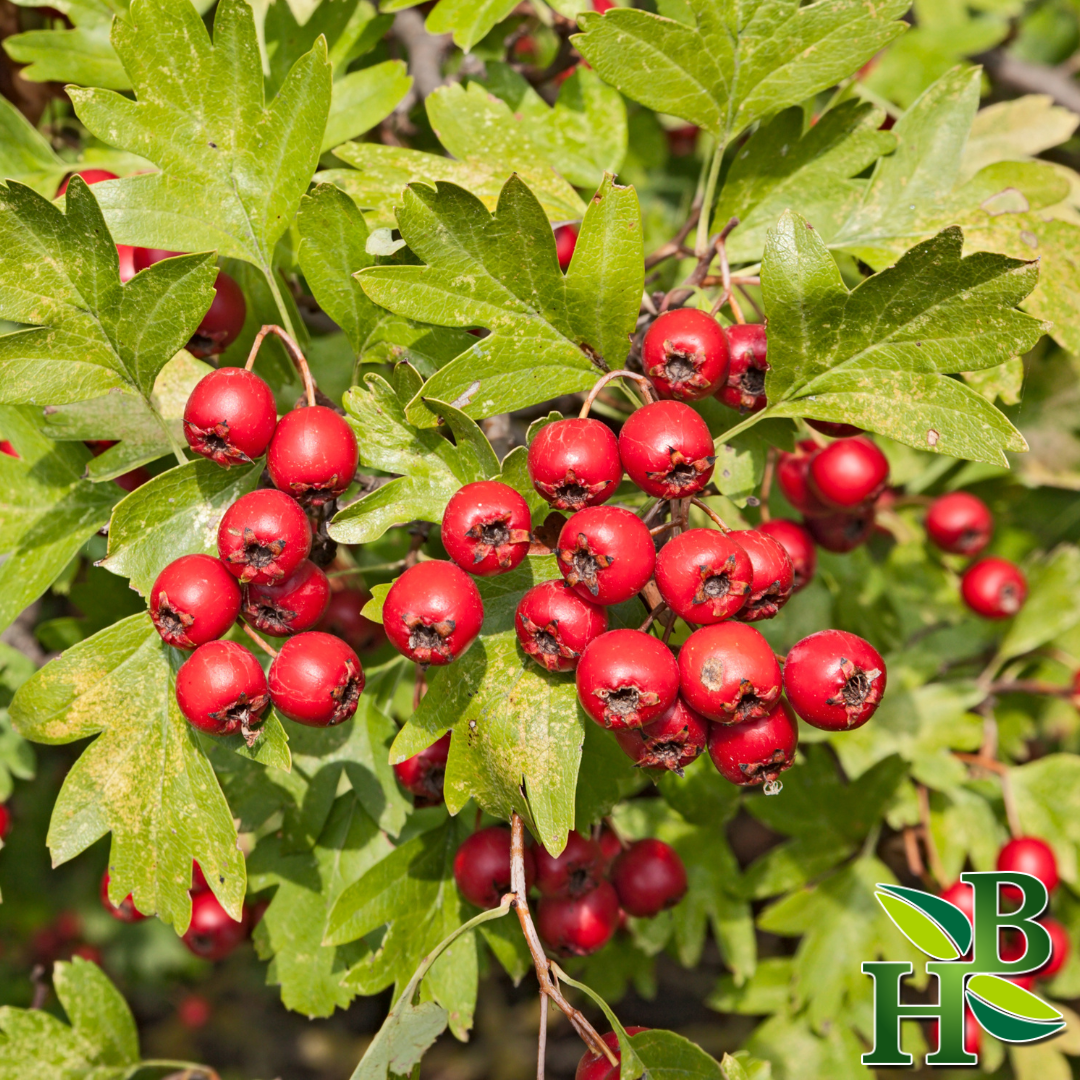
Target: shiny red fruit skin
{"points": [[792, 471], [125, 911], [290, 606], [565, 242], [343, 618], [230, 417], [578, 926], [482, 866], [610, 847], [573, 872], [685, 353], [773, 578], [840, 532], [603, 6], [728, 673], [264, 537], [144, 257], [847, 473], [667, 450], [555, 625], [959, 523], [834, 680], [575, 463], [671, 741], [596, 1066], [648, 877], [221, 689], [194, 600], [89, 176], [744, 388], [222, 323], [7, 448], [316, 680], [626, 678], [433, 612], [994, 588], [1028, 855], [704, 576], [1061, 946], [198, 879], [606, 554], [423, 774], [756, 751], [485, 528], [313, 455], [213, 933], [835, 430], [961, 895], [5, 820], [799, 545]]}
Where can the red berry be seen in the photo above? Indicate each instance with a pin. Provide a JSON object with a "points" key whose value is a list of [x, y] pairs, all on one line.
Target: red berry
{"points": [[596, 1066], [194, 600], [994, 588], [144, 257], [90, 176], [671, 742], [756, 751], [290, 606], [799, 545], [264, 536], [627, 678], [5, 820], [848, 472], [313, 455], [433, 612], [842, 532], [578, 926], [554, 625], [125, 911], [610, 847], [575, 463], [960, 523], [1028, 855], [704, 575], [7, 448], [603, 6], [422, 775], [1060, 949], [230, 416], [221, 689], [729, 673], [648, 877], [961, 895], [667, 450], [198, 879], [745, 386], [835, 430], [316, 679], [213, 933], [565, 242], [343, 618], [774, 574], [222, 323], [834, 680], [194, 1012], [482, 866], [606, 554], [485, 528], [575, 871], [685, 353], [791, 475]]}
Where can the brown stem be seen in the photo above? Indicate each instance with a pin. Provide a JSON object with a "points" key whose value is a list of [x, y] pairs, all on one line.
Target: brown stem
{"points": [[911, 853], [717, 520], [419, 687], [662, 528], [928, 837], [748, 297], [766, 482], [264, 645], [646, 387], [418, 533], [675, 246], [294, 352], [541, 1048], [656, 611], [41, 986], [669, 627], [991, 765], [1029, 686]]}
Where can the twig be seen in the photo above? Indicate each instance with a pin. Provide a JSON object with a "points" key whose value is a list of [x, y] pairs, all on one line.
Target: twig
{"points": [[264, 645], [674, 246], [418, 532], [668, 628], [716, 518], [1002, 771], [41, 986], [294, 352], [541, 1048], [766, 482], [1029, 686], [726, 296], [1031, 78], [928, 838], [911, 853], [419, 687], [646, 387], [656, 611]]}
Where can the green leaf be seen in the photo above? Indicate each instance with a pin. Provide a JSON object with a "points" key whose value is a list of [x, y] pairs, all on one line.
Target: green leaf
{"points": [[25, 154], [631, 1065], [1051, 606], [17, 759], [361, 99], [668, 1056], [1016, 130], [767, 991], [795, 1050], [948, 918], [1047, 796], [919, 928], [470, 20]]}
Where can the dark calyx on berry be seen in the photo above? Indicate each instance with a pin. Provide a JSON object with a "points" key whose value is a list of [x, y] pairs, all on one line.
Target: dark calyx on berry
{"points": [[859, 688], [426, 639], [583, 564], [682, 473], [244, 715]]}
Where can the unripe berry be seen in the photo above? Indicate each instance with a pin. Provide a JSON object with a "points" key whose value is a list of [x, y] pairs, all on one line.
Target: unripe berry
{"points": [[744, 388], [316, 679], [848, 472], [264, 537], [1060, 945], [423, 774], [994, 588], [482, 866], [343, 619], [213, 933], [313, 455], [756, 751], [799, 545], [194, 600], [774, 575], [485, 528], [290, 606], [433, 612], [792, 477], [230, 417], [565, 242], [648, 877], [685, 353], [606, 554], [672, 741], [959, 523], [222, 323], [835, 430], [596, 1066], [627, 678], [555, 625], [576, 870], [667, 450], [840, 532], [575, 463], [1028, 855], [704, 576], [728, 673], [221, 689], [578, 926], [125, 911], [834, 680], [960, 894]]}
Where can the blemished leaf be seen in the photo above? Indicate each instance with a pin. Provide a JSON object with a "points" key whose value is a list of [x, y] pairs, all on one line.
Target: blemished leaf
{"points": [[668, 1056], [947, 916], [1015, 131], [25, 154], [919, 928], [631, 1066], [361, 99], [144, 778], [732, 64], [1051, 606]]}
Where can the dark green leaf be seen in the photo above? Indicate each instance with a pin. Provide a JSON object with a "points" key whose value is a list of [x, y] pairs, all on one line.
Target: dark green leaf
{"points": [[25, 154]]}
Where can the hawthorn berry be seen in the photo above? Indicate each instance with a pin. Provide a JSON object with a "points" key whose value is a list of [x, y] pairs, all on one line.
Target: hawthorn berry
{"points": [[834, 680], [745, 386], [230, 416], [960, 894], [835, 430], [755, 751], [601, 7], [5, 820], [671, 741], [847, 473], [194, 600], [221, 689], [555, 625], [485, 528], [799, 545], [626, 678], [773, 575], [1060, 947], [213, 933], [290, 606], [222, 323], [89, 177], [605, 554], [313, 455], [667, 450], [840, 532], [125, 911], [610, 847], [575, 463], [576, 870], [145, 257], [792, 477], [194, 1011], [565, 242], [264, 537], [578, 926], [198, 879], [423, 774], [7, 448], [994, 588], [1028, 855], [596, 1066], [728, 673], [959, 523], [685, 353], [704, 576], [482, 866], [316, 680], [433, 612], [343, 617], [648, 877]]}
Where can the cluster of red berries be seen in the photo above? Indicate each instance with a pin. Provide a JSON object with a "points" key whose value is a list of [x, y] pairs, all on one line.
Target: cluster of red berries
{"points": [[585, 892]]}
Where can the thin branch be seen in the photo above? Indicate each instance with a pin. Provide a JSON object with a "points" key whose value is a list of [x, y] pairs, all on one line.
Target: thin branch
{"points": [[1030, 686], [264, 645], [991, 765], [646, 387], [911, 853], [674, 246], [928, 837], [294, 352], [541, 1048], [716, 518], [766, 482]]}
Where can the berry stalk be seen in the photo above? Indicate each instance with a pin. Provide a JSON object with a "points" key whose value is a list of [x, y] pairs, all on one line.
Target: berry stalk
{"points": [[294, 352]]}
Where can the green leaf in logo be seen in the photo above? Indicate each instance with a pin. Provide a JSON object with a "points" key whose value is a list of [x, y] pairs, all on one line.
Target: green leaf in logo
{"points": [[1009, 1012], [948, 916], [921, 930]]}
